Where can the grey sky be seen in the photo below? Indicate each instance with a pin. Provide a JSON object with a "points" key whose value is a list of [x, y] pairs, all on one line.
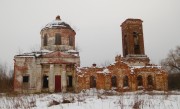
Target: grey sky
{"points": [[96, 22]]}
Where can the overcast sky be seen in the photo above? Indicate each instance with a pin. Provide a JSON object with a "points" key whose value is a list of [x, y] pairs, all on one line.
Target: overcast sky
{"points": [[96, 22]]}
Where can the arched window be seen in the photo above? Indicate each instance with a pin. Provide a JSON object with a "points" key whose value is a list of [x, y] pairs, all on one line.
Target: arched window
{"points": [[45, 40], [150, 80], [114, 81], [139, 80], [71, 40], [57, 39], [125, 81], [92, 82], [136, 43]]}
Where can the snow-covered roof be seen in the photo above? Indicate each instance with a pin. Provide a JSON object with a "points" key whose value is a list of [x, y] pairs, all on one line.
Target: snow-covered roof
{"points": [[34, 53], [57, 23], [72, 51], [105, 71]]}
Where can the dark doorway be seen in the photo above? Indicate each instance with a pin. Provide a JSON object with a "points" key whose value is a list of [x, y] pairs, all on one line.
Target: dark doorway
{"points": [[45, 82], [57, 83], [92, 82], [114, 81], [70, 81]]}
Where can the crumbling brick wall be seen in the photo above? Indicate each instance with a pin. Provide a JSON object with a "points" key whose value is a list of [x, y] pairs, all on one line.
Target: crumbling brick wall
{"points": [[158, 77]]}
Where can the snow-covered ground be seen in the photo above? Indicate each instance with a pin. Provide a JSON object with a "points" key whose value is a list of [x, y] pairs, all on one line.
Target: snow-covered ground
{"points": [[93, 99]]}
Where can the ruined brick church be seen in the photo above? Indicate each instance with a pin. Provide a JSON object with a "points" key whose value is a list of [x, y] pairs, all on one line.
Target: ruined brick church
{"points": [[56, 67]]}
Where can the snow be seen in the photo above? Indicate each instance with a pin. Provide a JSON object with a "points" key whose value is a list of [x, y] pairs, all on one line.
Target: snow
{"points": [[105, 71], [35, 53], [94, 99], [78, 69], [72, 51], [55, 23]]}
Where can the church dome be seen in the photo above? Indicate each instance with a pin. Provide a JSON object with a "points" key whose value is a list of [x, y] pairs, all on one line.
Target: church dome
{"points": [[58, 35], [57, 23]]}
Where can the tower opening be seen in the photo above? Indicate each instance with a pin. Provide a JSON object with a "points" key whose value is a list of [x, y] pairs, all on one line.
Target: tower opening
{"points": [[136, 43]]}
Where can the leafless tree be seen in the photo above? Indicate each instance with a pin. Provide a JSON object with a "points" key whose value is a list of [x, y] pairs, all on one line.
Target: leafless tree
{"points": [[6, 78], [172, 61], [172, 64]]}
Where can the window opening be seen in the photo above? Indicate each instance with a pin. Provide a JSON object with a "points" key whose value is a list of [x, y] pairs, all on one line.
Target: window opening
{"points": [[125, 81], [150, 80], [45, 81], [57, 39], [25, 79], [114, 81], [139, 81], [45, 40], [70, 81], [92, 82]]}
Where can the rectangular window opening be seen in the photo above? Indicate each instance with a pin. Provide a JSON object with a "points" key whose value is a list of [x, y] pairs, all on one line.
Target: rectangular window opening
{"points": [[57, 39], [70, 81], [45, 81], [25, 79]]}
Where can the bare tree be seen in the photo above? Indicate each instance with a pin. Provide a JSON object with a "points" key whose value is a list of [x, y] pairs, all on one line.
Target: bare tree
{"points": [[6, 78], [172, 64], [172, 61]]}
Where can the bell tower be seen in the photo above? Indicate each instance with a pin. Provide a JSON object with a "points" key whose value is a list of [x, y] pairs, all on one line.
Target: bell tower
{"points": [[133, 40], [132, 37]]}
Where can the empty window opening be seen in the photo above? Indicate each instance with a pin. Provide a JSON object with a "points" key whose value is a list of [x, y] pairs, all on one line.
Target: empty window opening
{"points": [[136, 43], [139, 80], [125, 81], [45, 81], [57, 39], [70, 81], [25, 79], [114, 81], [45, 40], [71, 40], [92, 82], [150, 80]]}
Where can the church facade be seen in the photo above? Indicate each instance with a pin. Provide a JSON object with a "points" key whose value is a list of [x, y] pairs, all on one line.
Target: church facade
{"points": [[56, 67]]}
